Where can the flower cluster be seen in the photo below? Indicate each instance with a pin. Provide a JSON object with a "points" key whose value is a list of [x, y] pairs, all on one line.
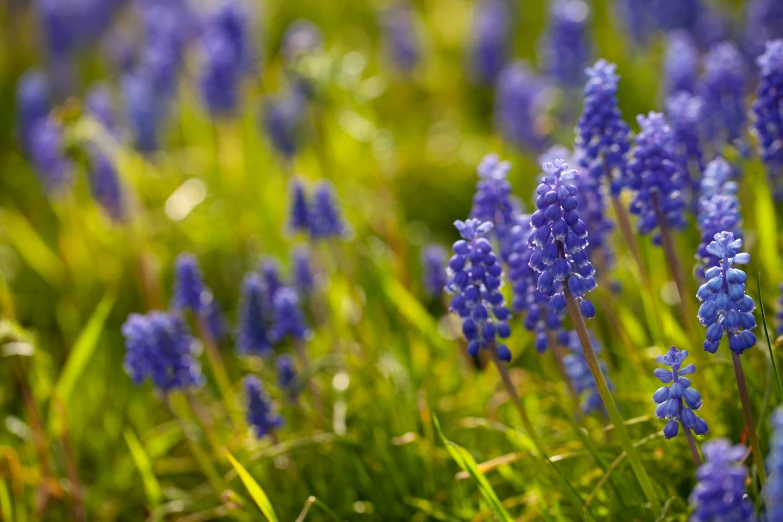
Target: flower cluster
{"points": [[725, 306], [565, 48], [283, 119], [320, 217], [190, 293], [288, 318], [653, 175], [718, 210], [33, 96], [559, 240], [491, 39], [720, 491], [764, 23], [521, 101], [475, 277], [492, 201], [402, 40], [680, 63], [723, 91], [580, 375], [287, 377], [601, 134], [773, 492], [302, 277], [433, 264], [677, 401], [159, 347], [47, 153], [104, 181], [685, 112], [767, 115], [252, 336], [260, 416]]}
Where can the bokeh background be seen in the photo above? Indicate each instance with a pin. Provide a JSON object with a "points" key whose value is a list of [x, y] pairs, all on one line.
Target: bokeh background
{"points": [[399, 137]]}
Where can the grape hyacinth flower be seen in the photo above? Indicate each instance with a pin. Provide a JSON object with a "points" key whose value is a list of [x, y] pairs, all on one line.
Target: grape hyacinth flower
{"points": [[475, 278], [260, 416], [559, 240], [190, 293], [300, 214], [720, 491], [779, 315], [105, 185], [159, 347], [719, 210], [685, 112], [302, 276], [235, 21], [764, 23], [521, 103], [100, 106], [288, 318], [565, 45], [723, 91], [726, 308], [300, 39], [402, 41], [220, 74], [580, 376], [491, 39], [47, 154], [767, 114], [773, 493], [252, 336], [637, 17], [144, 111], [287, 377], [677, 401], [33, 96], [680, 63], [269, 268], [655, 178], [282, 118], [326, 221], [677, 14], [492, 200], [433, 273], [602, 137]]}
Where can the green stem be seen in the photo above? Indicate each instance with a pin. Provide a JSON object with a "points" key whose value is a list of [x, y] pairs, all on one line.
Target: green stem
{"points": [[769, 342], [692, 446], [219, 371], [758, 457], [608, 400]]}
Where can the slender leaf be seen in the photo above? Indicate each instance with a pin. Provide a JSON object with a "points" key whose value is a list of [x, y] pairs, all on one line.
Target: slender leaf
{"points": [[32, 247], [143, 464], [468, 464], [769, 343], [256, 492]]}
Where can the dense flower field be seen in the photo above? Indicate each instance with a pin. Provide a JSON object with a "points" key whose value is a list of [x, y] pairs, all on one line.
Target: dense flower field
{"points": [[404, 260]]}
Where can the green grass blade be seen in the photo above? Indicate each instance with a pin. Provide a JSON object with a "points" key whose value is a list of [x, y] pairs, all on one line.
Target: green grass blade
{"points": [[143, 464], [32, 247], [83, 348], [468, 464], [410, 308], [258, 495], [769, 343]]}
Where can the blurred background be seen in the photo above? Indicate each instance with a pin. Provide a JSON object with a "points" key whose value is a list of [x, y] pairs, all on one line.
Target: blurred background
{"points": [[174, 126]]}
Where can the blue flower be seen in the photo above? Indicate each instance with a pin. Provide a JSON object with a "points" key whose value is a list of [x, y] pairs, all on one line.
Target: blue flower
{"points": [[764, 23], [220, 74], [779, 315], [260, 416], [475, 278], [190, 293], [326, 221], [725, 306], [521, 102], [105, 185], [686, 113], [301, 38], [234, 21], [767, 115], [602, 137], [677, 401], [47, 154], [677, 14], [252, 334], [720, 491], [565, 47], [559, 240], [637, 18], [302, 277], [680, 63], [723, 91], [580, 375], [269, 268], [287, 377], [100, 106], [282, 118], [653, 174], [718, 210], [491, 39], [300, 213], [773, 491], [33, 95], [159, 347], [433, 273], [144, 111], [402, 41], [288, 319], [492, 200]]}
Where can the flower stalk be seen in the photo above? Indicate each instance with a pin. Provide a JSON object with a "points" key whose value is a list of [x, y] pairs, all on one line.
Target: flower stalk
{"points": [[750, 425]]}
